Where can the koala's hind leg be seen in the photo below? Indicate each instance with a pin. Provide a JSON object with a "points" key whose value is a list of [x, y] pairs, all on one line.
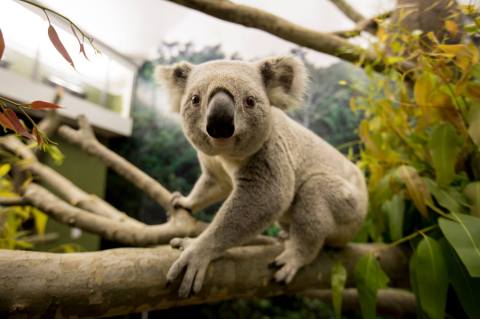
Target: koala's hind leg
{"points": [[310, 223]]}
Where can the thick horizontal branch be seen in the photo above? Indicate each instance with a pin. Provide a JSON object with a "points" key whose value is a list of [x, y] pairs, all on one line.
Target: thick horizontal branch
{"points": [[122, 281], [85, 139], [399, 303]]}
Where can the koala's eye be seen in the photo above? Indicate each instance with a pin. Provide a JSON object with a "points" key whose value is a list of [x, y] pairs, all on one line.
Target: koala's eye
{"points": [[195, 99], [250, 101]]}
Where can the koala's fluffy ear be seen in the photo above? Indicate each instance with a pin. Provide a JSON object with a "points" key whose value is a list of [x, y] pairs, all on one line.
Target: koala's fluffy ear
{"points": [[285, 79], [174, 79]]}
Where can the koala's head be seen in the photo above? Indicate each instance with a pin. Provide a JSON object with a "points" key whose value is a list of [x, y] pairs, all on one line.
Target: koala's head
{"points": [[226, 106]]}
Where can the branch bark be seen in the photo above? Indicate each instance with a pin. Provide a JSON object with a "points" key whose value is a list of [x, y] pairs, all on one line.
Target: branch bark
{"points": [[255, 18], [85, 139], [328, 43], [181, 224], [122, 281], [348, 10]]}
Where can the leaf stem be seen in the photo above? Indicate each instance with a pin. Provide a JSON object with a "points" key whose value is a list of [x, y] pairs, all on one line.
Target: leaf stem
{"points": [[413, 235]]}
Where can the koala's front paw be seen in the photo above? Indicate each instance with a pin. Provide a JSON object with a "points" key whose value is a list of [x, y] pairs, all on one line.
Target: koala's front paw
{"points": [[195, 261], [179, 201], [289, 262]]}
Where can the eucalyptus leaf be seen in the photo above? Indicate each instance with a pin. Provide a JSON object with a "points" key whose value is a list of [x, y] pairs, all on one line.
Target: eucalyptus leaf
{"points": [[338, 279], [395, 211], [40, 221], [445, 145], [447, 197], [472, 192], [369, 277], [466, 287], [464, 236], [431, 278]]}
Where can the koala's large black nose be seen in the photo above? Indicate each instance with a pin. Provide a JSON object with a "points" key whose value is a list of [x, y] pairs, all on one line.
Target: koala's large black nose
{"points": [[220, 115]]}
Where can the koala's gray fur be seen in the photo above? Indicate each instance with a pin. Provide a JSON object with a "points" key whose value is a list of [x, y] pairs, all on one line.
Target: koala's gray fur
{"points": [[270, 169]]}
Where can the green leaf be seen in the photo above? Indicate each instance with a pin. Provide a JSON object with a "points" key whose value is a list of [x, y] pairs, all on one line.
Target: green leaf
{"points": [[54, 153], [4, 169], [464, 236], [395, 210], [40, 221], [22, 244], [431, 278], [369, 277], [472, 192], [338, 279], [444, 145], [447, 197], [413, 281], [466, 287]]}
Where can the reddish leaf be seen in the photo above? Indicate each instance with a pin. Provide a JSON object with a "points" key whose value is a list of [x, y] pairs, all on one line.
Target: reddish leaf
{"points": [[55, 39], [42, 105], [17, 125], [2, 44], [75, 34], [82, 50], [5, 122]]}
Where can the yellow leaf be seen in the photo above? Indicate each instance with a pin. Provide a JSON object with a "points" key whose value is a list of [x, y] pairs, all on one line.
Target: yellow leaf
{"points": [[474, 52], [473, 90], [416, 188], [40, 221], [452, 27], [422, 89], [451, 48], [381, 35], [440, 99], [4, 169]]}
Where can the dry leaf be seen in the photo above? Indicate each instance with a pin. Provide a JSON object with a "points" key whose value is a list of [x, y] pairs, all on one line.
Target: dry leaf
{"points": [[55, 39], [2, 45], [42, 105]]}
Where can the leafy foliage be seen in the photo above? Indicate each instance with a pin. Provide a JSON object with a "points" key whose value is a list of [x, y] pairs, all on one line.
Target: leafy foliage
{"points": [[421, 153], [369, 277]]}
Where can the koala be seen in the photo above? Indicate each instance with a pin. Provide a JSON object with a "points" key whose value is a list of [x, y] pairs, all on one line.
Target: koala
{"points": [[263, 165]]}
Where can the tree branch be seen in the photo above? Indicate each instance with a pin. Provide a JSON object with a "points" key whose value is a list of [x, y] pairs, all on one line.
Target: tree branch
{"points": [[181, 224], [323, 42], [13, 201], [369, 25], [85, 139], [255, 18], [348, 10], [399, 303], [65, 188], [121, 281]]}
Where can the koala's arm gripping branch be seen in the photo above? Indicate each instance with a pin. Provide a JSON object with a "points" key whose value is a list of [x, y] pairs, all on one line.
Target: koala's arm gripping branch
{"points": [[206, 191]]}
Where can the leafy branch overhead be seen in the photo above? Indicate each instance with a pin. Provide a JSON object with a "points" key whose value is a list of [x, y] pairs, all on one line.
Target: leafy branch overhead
{"points": [[8, 117]]}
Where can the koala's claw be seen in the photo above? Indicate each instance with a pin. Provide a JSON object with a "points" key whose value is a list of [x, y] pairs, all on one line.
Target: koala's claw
{"points": [[180, 243], [196, 264], [179, 201], [289, 265]]}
